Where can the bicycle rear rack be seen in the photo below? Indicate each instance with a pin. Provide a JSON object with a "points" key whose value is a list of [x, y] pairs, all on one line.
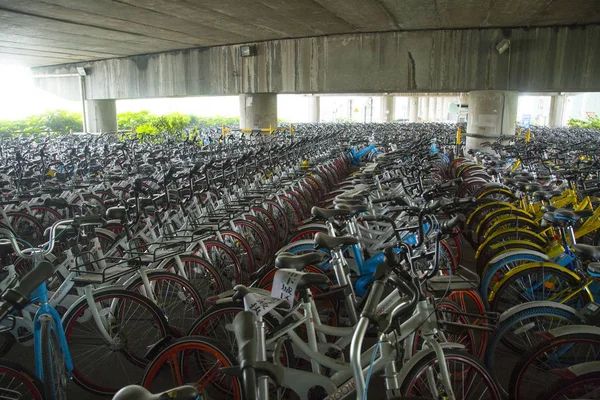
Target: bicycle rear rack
{"points": [[90, 273]]}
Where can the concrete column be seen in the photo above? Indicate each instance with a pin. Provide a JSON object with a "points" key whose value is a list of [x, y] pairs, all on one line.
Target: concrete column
{"points": [[431, 116], [491, 112], [387, 109], [424, 108], [101, 115], [557, 110], [413, 109], [439, 108], [314, 109], [258, 111]]}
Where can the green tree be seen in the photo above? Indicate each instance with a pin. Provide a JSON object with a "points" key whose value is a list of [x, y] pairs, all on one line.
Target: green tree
{"points": [[591, 121], [131, 120], [172, 124]]}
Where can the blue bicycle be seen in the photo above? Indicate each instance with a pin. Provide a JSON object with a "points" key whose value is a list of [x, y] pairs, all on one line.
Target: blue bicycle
{"points": [[53, 364]]}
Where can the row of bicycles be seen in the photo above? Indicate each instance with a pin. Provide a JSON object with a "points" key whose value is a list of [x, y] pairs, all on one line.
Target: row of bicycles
{"points": [[329, 263]]}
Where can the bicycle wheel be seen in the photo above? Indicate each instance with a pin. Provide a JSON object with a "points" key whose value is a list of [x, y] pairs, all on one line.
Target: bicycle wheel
{"points": [[242, 250], [278, 214], [26, 227], [53, 361], [204, 278], [447, 311], [225, 261], [536, 368], [518, 332], [538, 281], [196, 361], [18, 383], [174, 295], [586, 386], [255, 239], [134, 325], [468, 378]]}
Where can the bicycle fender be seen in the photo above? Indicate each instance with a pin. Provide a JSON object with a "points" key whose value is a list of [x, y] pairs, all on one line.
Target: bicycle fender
{"points": [[583, 368], [83, 299], [511, 253], [570, 329], [534, 304], [422, 354], [164, 262], [297, 243]]}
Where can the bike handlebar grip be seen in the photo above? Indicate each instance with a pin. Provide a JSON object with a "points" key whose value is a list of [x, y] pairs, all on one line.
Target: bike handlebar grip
{"points": [[18, 297], [34, 278], [449, 225]]}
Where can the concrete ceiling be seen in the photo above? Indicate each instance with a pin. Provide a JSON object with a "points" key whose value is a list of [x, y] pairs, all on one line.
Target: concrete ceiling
{"points": [[49, 32]]}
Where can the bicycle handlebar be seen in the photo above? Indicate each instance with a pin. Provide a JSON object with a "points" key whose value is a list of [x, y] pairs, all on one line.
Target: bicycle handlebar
{"points": [[18, 297], [30, 252]]}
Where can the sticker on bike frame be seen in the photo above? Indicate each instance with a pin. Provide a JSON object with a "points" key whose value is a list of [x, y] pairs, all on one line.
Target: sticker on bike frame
{"points": [[260, 304], [284, 285]]}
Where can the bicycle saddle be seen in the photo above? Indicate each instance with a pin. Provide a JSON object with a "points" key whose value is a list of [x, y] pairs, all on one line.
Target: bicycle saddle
{"points": [[312, 280], [324, 241], [135, 392], [326, 213], [351, 208], [117, 213], [562, 213], [594, 268], [57, 203], [298, 262], [587, 251]]}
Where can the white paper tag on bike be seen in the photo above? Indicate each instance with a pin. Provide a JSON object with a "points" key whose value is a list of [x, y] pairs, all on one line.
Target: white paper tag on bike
{"points": [[260, 304], [284, 285]]}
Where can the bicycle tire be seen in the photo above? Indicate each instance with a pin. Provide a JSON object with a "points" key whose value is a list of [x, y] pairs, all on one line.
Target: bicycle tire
{"points": [[173, 359], [18, 380], [53, 361], [132, 348], [175, 296], [203, 276], [586, 386], [537, 357], [453, 356], [551, 280], [517, 325]]}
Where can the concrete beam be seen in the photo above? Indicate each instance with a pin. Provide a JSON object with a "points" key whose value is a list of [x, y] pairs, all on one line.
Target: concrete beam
{"points": [[542, 59]]}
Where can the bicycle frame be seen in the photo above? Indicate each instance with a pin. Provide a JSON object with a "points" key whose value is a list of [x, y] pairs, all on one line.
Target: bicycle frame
{"points": [[47, 310]]}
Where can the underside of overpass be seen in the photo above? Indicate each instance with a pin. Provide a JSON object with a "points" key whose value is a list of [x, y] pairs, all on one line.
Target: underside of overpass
{"points": [[50, 32], [103, 50]]}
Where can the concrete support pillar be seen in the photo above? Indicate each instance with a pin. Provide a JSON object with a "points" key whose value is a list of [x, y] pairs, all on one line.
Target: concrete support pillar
{"points": [[439, 108], [258, 111], [314, 109], [424, 108], [413, 109], [445, 107], [431, 116], [387, 109], [101, 115], [557, 110], [491, 112]]}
